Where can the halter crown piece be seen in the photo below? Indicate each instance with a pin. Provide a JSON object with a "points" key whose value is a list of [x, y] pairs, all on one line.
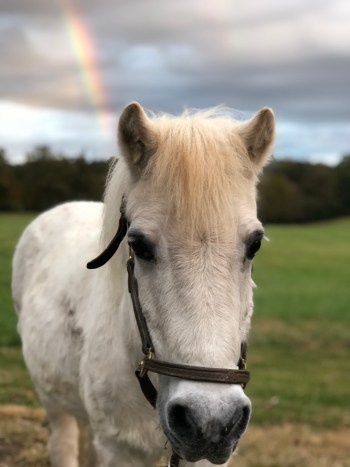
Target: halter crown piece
{"points": [[149, 363]]}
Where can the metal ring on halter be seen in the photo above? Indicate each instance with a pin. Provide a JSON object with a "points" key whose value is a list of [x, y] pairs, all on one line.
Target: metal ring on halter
{"points": [[174, 460]]}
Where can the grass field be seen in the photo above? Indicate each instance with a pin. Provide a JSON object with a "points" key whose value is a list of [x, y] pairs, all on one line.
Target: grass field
{"points": [[11, 226], [300, 342]]}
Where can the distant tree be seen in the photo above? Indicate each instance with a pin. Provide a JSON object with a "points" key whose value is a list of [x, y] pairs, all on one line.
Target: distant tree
{"points": [[343, 184], [41, 153], [280, 200], [9, 188], [48, 178], [290, 191], [4, 181], [317, 187]]}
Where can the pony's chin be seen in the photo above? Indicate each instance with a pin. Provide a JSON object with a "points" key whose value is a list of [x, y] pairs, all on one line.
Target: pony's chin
{"points": [[223, 456], [213, 459], [217, 455]]}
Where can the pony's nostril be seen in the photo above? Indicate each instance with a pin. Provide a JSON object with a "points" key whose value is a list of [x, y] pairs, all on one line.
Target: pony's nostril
{"points": [[181, 420], [238, 422], [242, 424]]}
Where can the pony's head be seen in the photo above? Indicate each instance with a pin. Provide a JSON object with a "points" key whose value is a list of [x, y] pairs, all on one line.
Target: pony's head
{"points": [[189, 184]]}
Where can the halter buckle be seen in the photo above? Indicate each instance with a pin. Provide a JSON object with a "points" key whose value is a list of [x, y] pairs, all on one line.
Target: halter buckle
{"points": [[142, 370], [242, 365]]}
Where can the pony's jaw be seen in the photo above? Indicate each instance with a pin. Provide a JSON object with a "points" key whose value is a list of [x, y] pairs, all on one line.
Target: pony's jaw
{"points": [[201, 420]]}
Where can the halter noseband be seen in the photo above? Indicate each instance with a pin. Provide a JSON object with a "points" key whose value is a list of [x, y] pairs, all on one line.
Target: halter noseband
{"points": [[149, 363]]}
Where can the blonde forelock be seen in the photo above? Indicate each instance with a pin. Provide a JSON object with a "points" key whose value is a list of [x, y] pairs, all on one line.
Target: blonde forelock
{"points": [[199, 167]]}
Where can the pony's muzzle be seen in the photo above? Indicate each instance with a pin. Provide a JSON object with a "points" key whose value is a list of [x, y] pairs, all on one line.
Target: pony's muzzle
{"points": [[198, 431]]}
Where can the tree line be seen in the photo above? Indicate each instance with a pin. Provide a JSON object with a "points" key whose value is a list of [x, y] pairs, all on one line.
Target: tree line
{"points": [[289, 191]]}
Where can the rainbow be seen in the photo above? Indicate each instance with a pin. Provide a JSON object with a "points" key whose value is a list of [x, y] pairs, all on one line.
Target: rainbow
{"points": [[85, 53]]}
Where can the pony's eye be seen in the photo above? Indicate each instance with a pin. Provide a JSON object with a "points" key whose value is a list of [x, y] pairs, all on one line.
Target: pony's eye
{"points": [[143, 248], [253, 244]]}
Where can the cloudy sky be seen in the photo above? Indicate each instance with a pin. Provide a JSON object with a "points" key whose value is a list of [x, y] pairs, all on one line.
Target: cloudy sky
{"points": [[67, 68]]}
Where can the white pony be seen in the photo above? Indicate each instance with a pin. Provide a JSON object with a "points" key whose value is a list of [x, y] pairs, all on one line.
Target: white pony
{"points": [[190, 201]]}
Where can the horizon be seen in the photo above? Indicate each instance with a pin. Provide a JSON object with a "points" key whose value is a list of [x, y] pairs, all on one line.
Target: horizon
{"points": [[61, 154]]}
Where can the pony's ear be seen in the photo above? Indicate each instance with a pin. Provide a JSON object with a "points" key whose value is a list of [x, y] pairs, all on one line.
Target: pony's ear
{"points": [[258, 135], [137, 137]]}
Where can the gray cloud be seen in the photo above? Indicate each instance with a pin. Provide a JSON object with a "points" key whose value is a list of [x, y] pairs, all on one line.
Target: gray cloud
{"points": [[292, 55]]}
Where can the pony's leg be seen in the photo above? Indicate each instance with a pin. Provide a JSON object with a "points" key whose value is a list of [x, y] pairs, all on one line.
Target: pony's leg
{"points": [[63, 444], [112, 454], [89, 456]]}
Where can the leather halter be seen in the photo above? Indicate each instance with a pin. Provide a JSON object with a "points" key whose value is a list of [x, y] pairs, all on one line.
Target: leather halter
{"points": [[149, 363]]}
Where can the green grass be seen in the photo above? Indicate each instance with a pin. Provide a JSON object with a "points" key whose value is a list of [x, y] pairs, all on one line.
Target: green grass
{"points": [[11, 227], [15, 384], [300, 342]]}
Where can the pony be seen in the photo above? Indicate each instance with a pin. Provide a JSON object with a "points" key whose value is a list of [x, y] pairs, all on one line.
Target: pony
{"points": [[187, 185]]}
